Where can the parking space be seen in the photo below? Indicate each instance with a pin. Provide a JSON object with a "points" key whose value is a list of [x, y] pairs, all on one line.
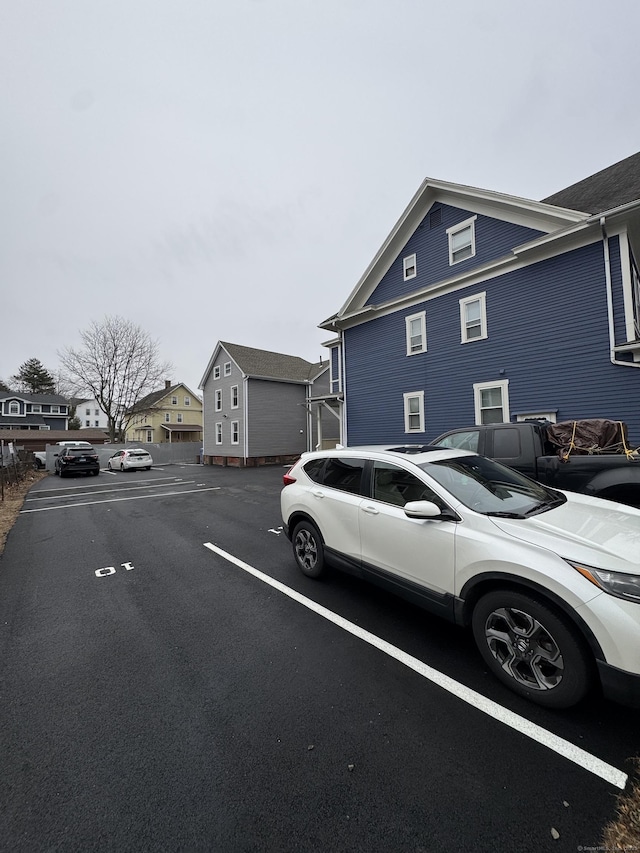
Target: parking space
{"points": [[218, 699]]}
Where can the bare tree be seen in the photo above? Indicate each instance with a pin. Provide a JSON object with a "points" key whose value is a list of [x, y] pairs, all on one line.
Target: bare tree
{"points": [[118, 364]]}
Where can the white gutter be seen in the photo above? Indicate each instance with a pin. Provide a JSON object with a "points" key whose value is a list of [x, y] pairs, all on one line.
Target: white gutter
{"points": [[607, 273]]}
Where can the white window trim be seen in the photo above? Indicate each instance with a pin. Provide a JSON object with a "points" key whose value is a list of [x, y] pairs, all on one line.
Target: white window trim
{"points": [[236, 404], [167, 417], [235, 429], [217, 400], [216, 372], [178, 417], [408, 264], [187, 401], [482, 299], [478, 387], [422, 316], [218, 432], [540, 416], [14, 408], [455, 229], [409, 396], [36, 409], [227, 368]]}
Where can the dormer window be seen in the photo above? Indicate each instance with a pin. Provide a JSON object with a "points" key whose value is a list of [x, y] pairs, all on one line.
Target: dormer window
{"points": [[14, 408], [409, 267], [462, 241]]}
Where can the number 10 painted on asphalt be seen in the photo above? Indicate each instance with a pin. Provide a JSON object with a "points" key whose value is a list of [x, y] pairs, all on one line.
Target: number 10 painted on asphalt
{"points": [[110, 570]]}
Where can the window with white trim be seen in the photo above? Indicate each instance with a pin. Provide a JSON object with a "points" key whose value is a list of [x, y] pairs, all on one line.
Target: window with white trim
{"points": [[55, 410], [14, 408], [174, 401], [187, 401], [218, 399], [167, 417], [179, 417], [473, 318], [409, 268], [234, 396], [149, 436], [216, 372], [235, 432], [491, 402], [416, 332], [414, 411], [36, 408], [462, 241], [219, 432], [227, 368]]}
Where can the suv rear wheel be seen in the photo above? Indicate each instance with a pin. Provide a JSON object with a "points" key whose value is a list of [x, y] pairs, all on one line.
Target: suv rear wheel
{"points": [[531, 648], [308, 549]]}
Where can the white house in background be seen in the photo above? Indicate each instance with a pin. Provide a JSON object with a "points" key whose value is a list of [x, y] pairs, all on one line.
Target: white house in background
{"points": [[91, 415]]}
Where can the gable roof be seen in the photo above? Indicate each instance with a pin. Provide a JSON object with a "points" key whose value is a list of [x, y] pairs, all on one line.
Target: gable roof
{"points": [[34, 398], [152, 399], [558, 217], [263, 364], [610, 188]]}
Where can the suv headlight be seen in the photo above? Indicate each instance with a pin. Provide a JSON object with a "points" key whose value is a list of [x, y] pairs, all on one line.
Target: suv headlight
{"points": [[615, 583]]}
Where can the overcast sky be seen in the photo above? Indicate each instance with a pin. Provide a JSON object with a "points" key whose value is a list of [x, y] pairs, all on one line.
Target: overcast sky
{"points": [[226, 170]]}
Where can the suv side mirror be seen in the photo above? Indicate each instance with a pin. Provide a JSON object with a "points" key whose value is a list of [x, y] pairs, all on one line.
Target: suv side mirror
{"points": [[427, 509]]}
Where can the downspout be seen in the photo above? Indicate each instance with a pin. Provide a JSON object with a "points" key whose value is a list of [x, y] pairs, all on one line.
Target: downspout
{"points": [[245, 415], [607, 273]]}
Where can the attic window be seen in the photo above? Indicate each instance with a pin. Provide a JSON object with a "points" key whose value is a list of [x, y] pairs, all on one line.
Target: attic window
{"points": [[462, 241], [174, 401], [227, 368], [409, 267], [216, 372], [435, 217]]}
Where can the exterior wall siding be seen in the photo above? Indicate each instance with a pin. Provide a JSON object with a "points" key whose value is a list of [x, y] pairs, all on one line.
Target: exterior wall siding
{"points": [[547, 335], [493, 239], [227, 414], [277, 418]]}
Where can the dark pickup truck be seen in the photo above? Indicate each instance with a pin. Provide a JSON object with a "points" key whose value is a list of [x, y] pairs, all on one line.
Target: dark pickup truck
{"points": [[605, 473]]}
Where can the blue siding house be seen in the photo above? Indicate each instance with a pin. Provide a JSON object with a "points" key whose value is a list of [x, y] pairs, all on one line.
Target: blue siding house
{"points": [[482, 307], [22, 411]]}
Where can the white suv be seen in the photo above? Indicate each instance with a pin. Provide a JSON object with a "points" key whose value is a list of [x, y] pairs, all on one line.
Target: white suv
{"points": [[548, 581]]}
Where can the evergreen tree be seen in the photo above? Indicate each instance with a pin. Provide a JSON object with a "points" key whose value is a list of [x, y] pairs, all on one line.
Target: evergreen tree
{"points": [[4, 386], [32, 378]]}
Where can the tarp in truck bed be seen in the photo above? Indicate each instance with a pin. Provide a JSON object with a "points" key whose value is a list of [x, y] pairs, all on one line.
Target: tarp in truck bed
{"points": [[592, 435]]}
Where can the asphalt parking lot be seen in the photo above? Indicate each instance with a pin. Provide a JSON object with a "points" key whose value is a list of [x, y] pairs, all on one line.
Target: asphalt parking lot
{"points": [[171, 682]]}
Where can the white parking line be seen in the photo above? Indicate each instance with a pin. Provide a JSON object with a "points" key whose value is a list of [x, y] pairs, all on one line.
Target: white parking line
{"points": [[53, 494], [117, 500], [487, 706]]}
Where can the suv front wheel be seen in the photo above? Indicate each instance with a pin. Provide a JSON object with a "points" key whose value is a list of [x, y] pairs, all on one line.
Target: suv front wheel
{"points": [[308, 549], [531, 648]]}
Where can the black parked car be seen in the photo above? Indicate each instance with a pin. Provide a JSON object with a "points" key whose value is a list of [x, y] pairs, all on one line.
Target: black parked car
{"points": [[82, 459]]}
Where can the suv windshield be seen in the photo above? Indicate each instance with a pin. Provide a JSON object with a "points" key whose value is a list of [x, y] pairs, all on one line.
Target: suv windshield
{"points": [[491, 488]]}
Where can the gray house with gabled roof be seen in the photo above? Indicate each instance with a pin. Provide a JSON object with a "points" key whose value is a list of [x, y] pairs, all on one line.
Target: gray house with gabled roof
{"points": [[264, 407]]}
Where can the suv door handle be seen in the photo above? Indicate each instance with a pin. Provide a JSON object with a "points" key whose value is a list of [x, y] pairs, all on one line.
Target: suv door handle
{"points": [[371, 510], [317, 493]]}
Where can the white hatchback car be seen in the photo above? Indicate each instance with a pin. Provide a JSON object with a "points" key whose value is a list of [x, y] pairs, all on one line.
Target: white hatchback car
{"points": [[136, 457], [548, 581]]}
